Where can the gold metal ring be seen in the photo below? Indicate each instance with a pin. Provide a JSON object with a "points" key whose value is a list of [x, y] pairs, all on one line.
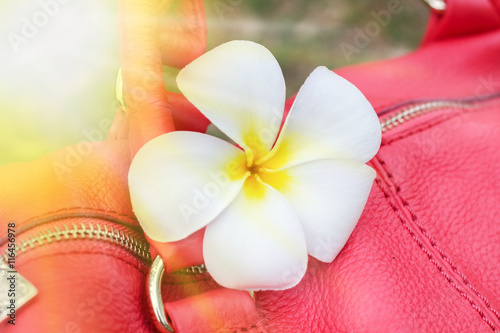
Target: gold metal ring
{"points": [[154, 279], [154, 294]]}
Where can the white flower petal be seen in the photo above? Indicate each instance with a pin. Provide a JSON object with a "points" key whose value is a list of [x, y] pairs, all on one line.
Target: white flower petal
{"points": [[330, 118], [328, 196], [240, 88], [257, 243], [181, 181]]}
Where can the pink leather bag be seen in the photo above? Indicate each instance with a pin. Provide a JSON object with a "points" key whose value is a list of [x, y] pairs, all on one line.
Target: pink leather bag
{"points": [[424, 257]]}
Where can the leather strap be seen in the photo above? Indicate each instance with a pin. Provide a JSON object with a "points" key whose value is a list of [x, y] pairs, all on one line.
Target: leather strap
{"points": [[463, 17]]}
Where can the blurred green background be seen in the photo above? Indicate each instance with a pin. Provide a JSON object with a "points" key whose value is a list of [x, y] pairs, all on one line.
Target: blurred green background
{"points": [[58, 84], [308, 33]]}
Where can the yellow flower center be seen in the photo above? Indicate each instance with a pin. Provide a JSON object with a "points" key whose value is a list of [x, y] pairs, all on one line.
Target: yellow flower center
{"points": [[259, 175]]}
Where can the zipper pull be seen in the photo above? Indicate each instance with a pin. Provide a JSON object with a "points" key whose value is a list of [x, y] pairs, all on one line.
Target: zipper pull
{"points": [[15, 292]]}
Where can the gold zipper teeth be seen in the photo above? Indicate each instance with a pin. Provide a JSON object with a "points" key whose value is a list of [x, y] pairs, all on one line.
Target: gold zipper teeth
{"points": [[417, 110], [200, 269], [93, 231], [81, 232]]}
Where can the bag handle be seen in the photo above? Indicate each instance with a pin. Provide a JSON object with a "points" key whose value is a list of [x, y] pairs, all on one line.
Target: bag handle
{"points": [[455, 18]]}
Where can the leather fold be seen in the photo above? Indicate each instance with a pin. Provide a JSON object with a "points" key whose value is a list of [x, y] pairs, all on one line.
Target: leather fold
{"points": [[214, 311], [182, 254]]}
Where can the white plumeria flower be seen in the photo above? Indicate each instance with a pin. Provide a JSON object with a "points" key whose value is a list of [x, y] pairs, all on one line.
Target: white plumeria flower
{"points": [[270, 203]]}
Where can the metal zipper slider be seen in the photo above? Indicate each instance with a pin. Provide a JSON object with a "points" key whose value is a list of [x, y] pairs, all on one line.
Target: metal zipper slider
{"points": [[438, 6], [15, 292]]}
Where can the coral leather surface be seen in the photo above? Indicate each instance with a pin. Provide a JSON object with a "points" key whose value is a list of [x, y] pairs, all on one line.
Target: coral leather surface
{"points": [[452, 68], [79, 282], [83, 286], [425, 256]]}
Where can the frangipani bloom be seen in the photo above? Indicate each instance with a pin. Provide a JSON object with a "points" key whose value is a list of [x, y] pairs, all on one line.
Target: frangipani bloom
{"points": [[272, 200]]}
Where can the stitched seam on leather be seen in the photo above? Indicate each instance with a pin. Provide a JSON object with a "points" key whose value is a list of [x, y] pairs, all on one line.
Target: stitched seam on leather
{"points": [[433, 242], [414, 217], [75, 208], [431, 258]]}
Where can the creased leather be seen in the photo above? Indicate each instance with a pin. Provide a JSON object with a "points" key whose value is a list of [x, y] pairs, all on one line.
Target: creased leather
{"points": [[83, 286]]}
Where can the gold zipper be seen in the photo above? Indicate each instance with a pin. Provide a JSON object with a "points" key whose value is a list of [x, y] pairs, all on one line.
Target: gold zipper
{"points": [[94, 231], [84, 231], [416, 110]]}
